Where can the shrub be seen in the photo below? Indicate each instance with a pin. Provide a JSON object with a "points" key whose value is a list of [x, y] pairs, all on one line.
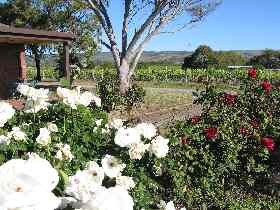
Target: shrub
{"points": [[227, 154], [108, 89], [269, 59], [101, 164], [203, 57]]}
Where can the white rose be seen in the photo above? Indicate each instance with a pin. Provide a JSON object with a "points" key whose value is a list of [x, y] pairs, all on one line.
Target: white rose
{"points": [[98, 122], [96, 172], [69, 97], [6, 113], [115, 198], [136, 151], [97, 101], [86, 98], [81, 186], [23, 89], [32, 106], [27, 184], [64, 152], [148, 130], [127, 136], [74, 97], [159, 147], [112, 166], [167, 206], [4, 140], [125, 181], [59, 155], [44, 137], [17, 134], [116, 123], [52, 127], [36, 98]]}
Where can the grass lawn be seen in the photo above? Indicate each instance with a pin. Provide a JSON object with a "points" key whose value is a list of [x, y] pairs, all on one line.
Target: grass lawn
{"points": [[184, 85]]}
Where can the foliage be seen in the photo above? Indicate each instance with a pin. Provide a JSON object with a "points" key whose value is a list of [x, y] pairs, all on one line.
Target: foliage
{"points": [[89, 136], [55, 15], [228, 154], [204, 57], [229, 58], [270, 59], [168, 73], [109, 91]]}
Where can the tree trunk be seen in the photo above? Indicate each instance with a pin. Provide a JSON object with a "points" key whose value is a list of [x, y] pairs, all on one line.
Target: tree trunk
{"points": [[37, 59], [38, 67], [124, 77]]}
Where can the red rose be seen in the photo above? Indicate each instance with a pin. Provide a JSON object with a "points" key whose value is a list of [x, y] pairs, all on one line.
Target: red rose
{"points": [[243, 131], [185, 140], [211, 133], [255, 123], [266, 86], [230, 98], [195, 119], [269, 144], [252, 73]]}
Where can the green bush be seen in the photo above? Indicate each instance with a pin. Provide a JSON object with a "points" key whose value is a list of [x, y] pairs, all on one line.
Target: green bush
{"points": [[88, 136], [109, 91], [269, 59], [226, 157]]}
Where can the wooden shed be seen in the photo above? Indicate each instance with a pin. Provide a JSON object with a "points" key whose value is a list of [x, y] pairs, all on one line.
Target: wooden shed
{"points": [[13, 66]]}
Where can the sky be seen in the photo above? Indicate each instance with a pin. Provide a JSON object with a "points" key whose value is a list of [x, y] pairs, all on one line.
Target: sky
{"points": [[235, 25]]}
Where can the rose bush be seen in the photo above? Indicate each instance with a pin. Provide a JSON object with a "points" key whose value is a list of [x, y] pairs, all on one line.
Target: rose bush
{"points": [[61, 152], [227, 157]]}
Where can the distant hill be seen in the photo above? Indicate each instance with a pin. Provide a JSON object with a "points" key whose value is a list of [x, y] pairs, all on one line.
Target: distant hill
{"points": [[174, 57]]}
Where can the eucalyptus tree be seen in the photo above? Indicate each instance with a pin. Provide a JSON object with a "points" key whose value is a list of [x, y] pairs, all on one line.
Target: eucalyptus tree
{"points": [[157, 16]]}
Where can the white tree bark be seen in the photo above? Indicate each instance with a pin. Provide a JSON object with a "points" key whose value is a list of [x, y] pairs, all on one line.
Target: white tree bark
{"points": [[162, 12]]}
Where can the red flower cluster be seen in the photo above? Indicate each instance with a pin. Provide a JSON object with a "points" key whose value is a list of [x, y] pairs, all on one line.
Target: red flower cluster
{"points": [[266, 85], [269, 144], [252, 73], [243, 131], [195, 119], [255, 123], [211, 133], [230, 98], [185, 140]]}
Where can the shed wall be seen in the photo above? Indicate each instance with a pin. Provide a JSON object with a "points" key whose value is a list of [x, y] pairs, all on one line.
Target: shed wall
{"points": [[11, 58]]}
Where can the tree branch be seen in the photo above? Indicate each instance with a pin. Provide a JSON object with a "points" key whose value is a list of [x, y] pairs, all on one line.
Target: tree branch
{"points": [[125, 26], [106, 45], [104, 19], [138, 34], [141, 47]]}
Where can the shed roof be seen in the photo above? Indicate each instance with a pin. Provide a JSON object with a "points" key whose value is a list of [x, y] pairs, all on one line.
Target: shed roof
{"points": [[14, 35]]}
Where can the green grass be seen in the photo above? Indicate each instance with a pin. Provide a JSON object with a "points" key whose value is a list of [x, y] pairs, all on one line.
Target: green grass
{"points": [[184, 85], [158, 99]]}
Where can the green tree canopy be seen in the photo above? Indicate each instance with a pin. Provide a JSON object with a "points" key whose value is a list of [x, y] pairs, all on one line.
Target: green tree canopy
{"points": [[55, 15], [269, 59], [230, 58], [205, 57]]}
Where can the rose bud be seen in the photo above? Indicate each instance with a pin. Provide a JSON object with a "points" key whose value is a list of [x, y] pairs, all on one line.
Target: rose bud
{"points": [[211, 133]]}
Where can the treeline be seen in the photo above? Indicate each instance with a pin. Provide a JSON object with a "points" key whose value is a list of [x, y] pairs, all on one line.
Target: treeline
{"points": [[204, 57]]}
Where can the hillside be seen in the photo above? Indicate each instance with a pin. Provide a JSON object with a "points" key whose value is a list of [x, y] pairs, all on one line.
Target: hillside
{"points": [[176, 57]]}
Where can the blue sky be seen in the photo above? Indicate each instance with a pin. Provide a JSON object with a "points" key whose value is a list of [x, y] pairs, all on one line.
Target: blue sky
{"points": [[235, 25]]}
